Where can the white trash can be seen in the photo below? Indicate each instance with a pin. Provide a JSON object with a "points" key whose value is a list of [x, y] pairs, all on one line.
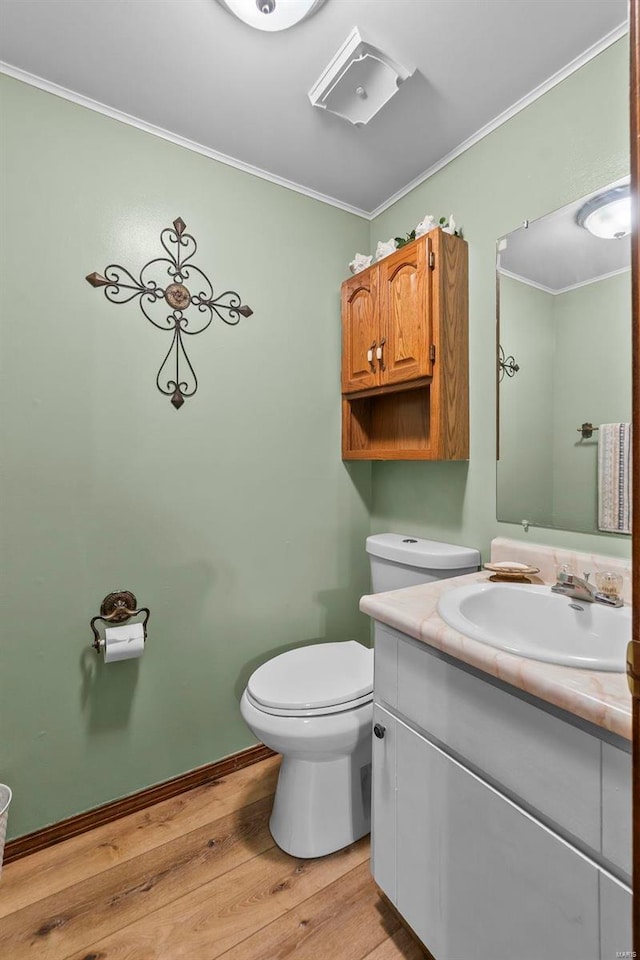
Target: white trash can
{"points": [[5, 800]]}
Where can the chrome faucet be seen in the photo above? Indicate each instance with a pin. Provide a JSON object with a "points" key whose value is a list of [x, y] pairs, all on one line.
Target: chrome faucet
{"points": [[579, 588]]}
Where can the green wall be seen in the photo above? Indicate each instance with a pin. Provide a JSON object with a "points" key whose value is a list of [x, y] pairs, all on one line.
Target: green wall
{"points": [[591, 381], [233, 519], [575, 365], [525, 470], [567, 143]]}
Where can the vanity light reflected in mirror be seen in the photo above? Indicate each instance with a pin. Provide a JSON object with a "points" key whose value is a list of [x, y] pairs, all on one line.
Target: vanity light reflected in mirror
{"points": [[564, 310]]}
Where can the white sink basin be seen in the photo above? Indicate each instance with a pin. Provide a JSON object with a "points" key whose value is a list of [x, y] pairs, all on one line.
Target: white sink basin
{"points": [[532, 622]]}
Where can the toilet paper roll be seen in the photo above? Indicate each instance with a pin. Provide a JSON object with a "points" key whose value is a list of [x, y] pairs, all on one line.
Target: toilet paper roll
{"points": [[123, 643]]}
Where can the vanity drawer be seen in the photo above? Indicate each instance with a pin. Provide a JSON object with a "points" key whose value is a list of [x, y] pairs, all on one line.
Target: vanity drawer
{"points": [[546, 763]]}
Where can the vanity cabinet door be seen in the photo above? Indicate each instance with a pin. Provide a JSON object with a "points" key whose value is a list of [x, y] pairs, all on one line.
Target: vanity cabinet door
{"points": [[615, 918], [406, 314], [616, 808], [360, 331], [477, 878], [383, 802]]}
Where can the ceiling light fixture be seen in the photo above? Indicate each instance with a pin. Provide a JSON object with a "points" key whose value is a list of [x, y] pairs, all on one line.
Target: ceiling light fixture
{"points": [[608, 215], [271, 15]]}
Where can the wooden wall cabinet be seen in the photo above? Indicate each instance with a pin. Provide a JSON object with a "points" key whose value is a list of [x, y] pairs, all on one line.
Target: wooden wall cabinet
{"points": [[405, 355]]}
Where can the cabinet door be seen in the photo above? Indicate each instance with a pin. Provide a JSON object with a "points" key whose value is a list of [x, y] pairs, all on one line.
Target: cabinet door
{"points": [[477, 878], [360, 331], [616, 808], [615, 918], [383, 803], [406, 314]]}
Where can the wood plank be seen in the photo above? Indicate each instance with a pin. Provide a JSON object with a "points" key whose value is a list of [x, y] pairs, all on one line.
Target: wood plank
{"points": [[400, 946], [107, 812], [77, 916], [51, 870], [222, 913], [345, 920], [387, 389]]}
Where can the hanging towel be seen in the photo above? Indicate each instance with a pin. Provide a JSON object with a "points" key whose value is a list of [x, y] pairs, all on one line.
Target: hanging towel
{"points": [[614, 477]]}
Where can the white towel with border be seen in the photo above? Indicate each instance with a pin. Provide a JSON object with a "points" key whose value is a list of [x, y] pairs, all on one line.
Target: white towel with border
{"points": [[614, 477]]}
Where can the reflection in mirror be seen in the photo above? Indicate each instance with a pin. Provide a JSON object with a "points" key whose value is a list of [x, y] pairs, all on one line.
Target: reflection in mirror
{"points": [[564, 332]]}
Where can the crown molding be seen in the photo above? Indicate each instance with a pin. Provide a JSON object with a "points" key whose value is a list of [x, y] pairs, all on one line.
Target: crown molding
{"points": [[568, 289], [603, 276], [58, 91], [616, 34], [530, 283]]}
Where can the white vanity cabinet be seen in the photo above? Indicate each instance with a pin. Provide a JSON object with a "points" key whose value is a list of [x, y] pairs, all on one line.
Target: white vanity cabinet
{"points": [[489, 828]]}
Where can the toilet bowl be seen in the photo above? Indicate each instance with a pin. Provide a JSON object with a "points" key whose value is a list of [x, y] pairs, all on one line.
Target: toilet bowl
{"points": [[314, 706]]}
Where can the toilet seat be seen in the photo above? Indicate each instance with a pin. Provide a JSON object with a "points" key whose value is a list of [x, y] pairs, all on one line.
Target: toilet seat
{"points": [[311, 712], [315, 680]]}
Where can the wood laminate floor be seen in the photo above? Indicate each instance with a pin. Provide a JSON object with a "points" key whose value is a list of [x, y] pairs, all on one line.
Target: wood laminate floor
{"points": [[196, 877]]}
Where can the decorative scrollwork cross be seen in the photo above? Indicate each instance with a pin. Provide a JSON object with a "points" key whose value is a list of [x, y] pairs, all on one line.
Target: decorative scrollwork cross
{"points": [[506, 365], [154, 293]]}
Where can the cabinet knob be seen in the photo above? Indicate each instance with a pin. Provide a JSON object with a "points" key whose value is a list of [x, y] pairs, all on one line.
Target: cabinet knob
{"points": [[379, 731]]}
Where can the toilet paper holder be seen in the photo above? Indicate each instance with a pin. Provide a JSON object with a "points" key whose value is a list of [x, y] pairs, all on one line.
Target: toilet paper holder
{"points": [[118, 607]]}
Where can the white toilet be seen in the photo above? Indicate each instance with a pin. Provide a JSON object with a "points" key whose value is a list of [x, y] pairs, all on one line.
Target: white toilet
{"points": [[314, 706]]}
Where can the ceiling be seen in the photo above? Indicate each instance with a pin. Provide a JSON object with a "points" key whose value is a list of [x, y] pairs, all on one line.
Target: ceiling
{"points": [[189, 67], [556, 254]]}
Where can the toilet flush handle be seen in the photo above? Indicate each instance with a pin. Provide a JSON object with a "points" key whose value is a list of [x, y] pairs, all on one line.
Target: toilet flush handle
{"points": [[379, 730]]}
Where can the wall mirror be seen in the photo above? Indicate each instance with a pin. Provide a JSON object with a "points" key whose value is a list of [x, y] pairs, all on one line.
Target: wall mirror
{"points": [[564, 357]]}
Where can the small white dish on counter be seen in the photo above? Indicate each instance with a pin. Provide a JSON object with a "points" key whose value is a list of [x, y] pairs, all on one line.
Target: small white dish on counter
{"points": [[531, 621]]}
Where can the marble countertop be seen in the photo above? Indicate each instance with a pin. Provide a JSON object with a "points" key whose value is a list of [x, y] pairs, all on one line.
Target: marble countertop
{"points": [[600, 698]]}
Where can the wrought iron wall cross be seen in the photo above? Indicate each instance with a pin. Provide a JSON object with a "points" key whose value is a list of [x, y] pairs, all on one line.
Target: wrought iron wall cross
{"points": [[506, 365], [163, 282]]}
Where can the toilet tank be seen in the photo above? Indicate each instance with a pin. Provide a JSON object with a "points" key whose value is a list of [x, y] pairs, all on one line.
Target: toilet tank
{"points": [[403, 561]]}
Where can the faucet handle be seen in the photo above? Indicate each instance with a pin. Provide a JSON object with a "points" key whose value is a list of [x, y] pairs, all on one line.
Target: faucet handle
{"points": [[609, 584], [586, 574], [565, 573]]}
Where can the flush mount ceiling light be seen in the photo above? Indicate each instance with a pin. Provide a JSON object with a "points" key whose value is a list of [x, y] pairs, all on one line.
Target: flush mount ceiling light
{"points": [[271, 14], [358, 82], [608, 215]]}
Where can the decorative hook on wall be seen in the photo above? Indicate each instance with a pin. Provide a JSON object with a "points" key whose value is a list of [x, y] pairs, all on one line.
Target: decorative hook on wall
{"points": [[507, 365], [161, 282]]}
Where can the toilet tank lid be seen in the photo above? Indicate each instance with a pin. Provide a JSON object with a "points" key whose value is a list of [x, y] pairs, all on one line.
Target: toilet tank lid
{"points": [[318, 675], [423, 554]]}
